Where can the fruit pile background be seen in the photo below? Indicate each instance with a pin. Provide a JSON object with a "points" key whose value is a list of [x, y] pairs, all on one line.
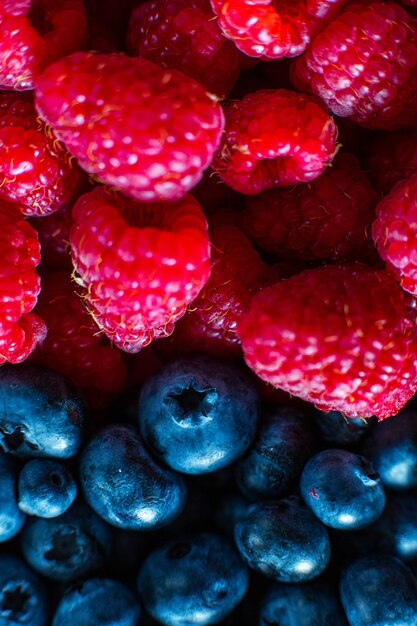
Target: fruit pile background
{"points": [[208, 320]]}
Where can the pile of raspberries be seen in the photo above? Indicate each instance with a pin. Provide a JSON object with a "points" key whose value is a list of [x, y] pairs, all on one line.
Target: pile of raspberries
{"points": [[232, 177]]}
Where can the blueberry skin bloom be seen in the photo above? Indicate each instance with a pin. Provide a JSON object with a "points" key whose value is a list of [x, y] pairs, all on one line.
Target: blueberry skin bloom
{"points": [[198, 414], [310, 604], [41, 414], [391, 446], [273, 465], [46, 488], [283, 540], [22, 594], [342, 489], [69, 546], [124, 485], [192, 582], [11, 518], [379, 590], [98, 601]]}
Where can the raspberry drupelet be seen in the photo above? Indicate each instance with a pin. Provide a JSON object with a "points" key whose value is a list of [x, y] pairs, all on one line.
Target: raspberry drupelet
{"points": [[36, 170], [363, 65], [147, 131], [392, 157], [34, 33], [20, 330], [271, 29], [274, 138], [74, 347], [395, 232], [185, 35], [329, 218], [140, 264], [341, 337]]}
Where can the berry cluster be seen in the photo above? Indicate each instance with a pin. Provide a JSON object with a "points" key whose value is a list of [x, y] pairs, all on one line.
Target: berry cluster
{"points": [[208, 217]]}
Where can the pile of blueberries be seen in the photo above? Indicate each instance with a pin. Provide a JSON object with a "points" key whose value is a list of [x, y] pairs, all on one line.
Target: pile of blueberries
{"points": [[197, 504]]}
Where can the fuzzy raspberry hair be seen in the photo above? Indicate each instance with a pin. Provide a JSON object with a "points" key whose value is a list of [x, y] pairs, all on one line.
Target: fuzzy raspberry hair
{"points": [[340, 337], [34, 33], [145, 130], [140, 264], [274, 138], [363, 65]]}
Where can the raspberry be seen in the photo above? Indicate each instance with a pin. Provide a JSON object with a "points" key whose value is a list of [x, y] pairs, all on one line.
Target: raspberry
{"points": [[340, 337], [54, 235], [237, 273], [184, 35], [329, 218], [36, 33], [274, 138], [141, 264], [392, 157], [73, 346], [147, 131], [272, 29], [363, 65], [36, 170], [395, 231], [20, 330]]}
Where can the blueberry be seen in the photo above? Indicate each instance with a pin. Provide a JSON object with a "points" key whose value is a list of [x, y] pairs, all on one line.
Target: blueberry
{"points": [[342, 489], [379, 590], [230, 508], [396, 529], [40, 413], [22, 594], [310, 604], [124, 485], [273, 465], [195, 580], [392, 448], [338, 430], [11, 518], [69, 546], [98, 601], [198, 414], [283, 540], [46, 488]]}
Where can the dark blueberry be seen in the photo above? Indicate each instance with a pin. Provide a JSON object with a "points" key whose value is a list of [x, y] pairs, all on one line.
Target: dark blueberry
{"points": [[283, 540], [396, 530], [97, 602], [40, 413], [124, 485], [273, 465], [69, 546], [46, 488], [342, 489], [392, 448], [379, 590], [195, 580], [22, 594], [311, 604], [11, 518], [338, 430], [198, 414]]}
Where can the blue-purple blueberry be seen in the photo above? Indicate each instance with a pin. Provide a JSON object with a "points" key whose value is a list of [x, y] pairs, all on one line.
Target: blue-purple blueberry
{"points": [[46, 488], [23, 600], [11, 517]]}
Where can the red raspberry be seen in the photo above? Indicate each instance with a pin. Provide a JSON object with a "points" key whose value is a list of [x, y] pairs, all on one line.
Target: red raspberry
{"points": [[340, 337], [35, 168], [274, 138], [271, 29], [237, 273], [36, 33], [20, 330], [392, 157], [148, 131], [329, 218], [363, 65], [141, 264], [185, 35], [73, 346], [395, 232]]}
